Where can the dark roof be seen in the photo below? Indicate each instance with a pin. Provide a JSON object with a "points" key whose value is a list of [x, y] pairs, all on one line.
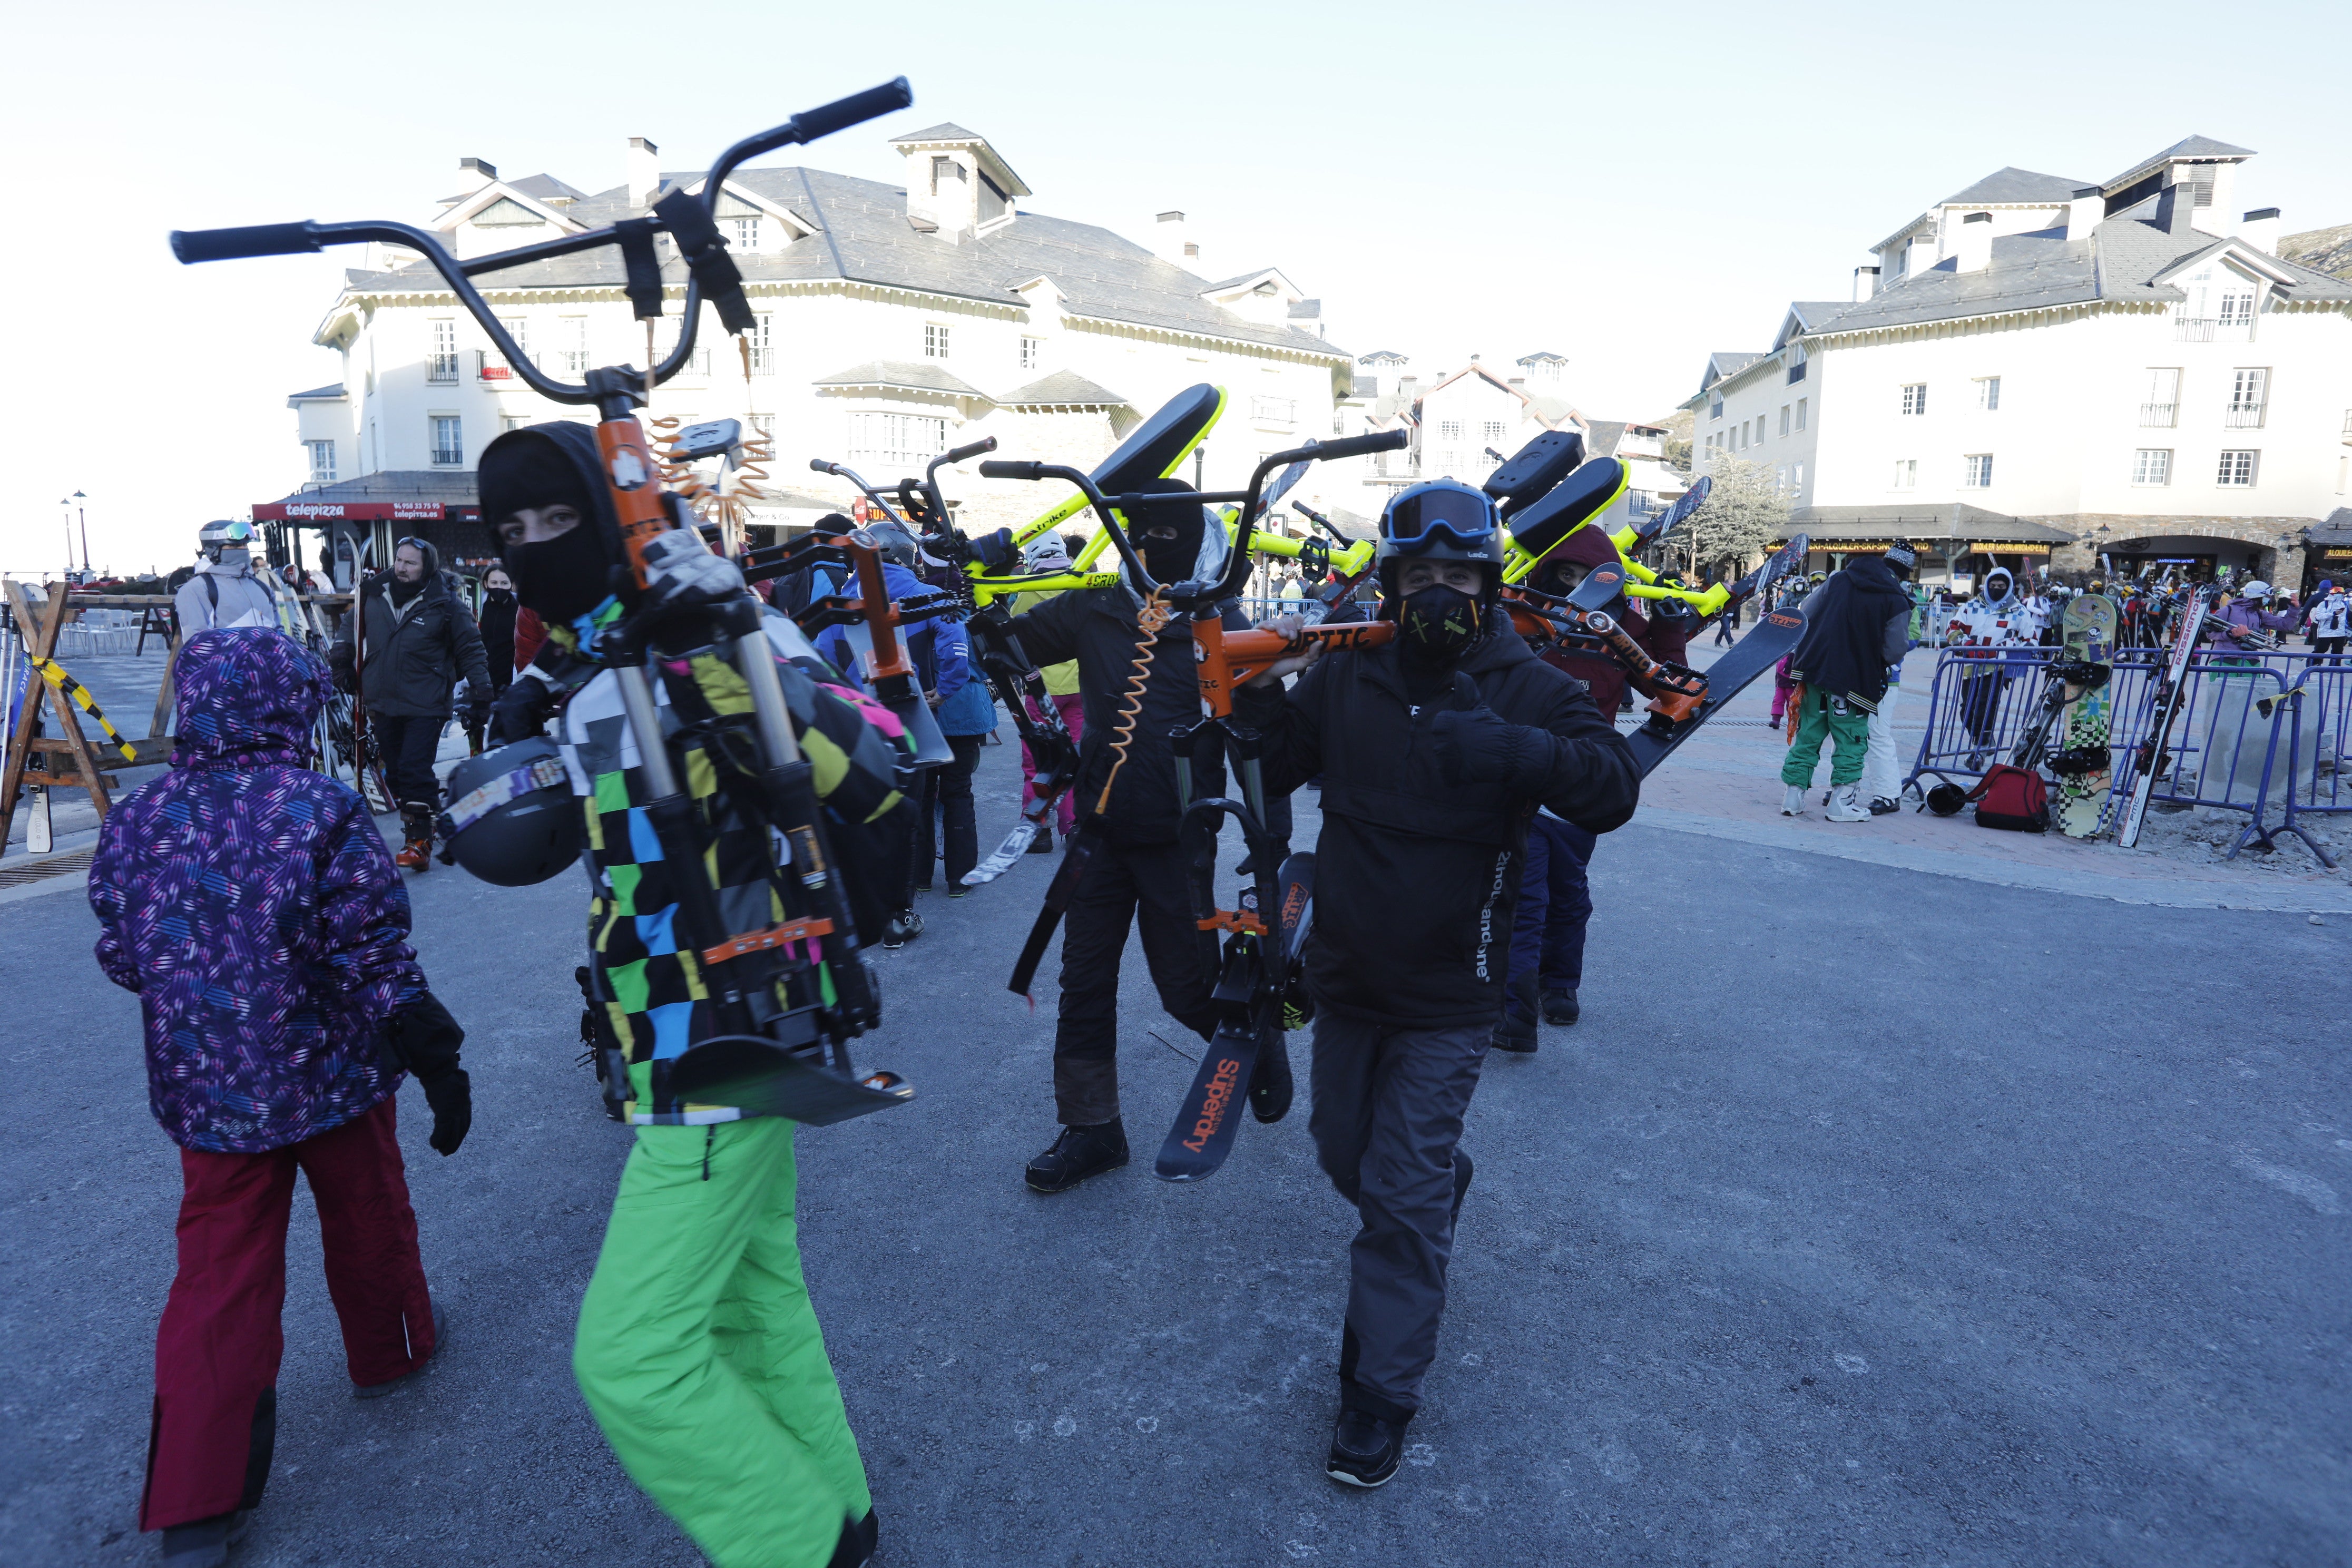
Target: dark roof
{"points": [[910, 375], [2334, 530], [1724, 363], [1237, 279], [864, 236], [945, 131], [1968, 524], [1602, 436], [541, 188], [1379, 355], [317, 392], [1063, 389], [451, 486], [2013, 186], [1540, 357], [1306, 309], [2187, 147]]}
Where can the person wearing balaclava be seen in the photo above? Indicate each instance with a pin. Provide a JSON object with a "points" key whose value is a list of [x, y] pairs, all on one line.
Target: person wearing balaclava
{"points": [[1136, 875], [417, 639], [698, 1350], [1434, 751]]}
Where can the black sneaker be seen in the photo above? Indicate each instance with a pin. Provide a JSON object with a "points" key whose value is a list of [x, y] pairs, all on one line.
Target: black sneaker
{"points": [[901, 928], [1559, 1007], [440, 1342], [1365, 1449], [205, 1543], [1270, 1086], [1882, 806], [1515, 1035], [1044, 843], [1078, 1155], [855, 1548]]}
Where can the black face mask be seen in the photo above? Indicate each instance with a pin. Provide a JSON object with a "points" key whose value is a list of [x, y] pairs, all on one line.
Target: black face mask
{"points": [[1438, 624], [564, 578], [499, 595]]}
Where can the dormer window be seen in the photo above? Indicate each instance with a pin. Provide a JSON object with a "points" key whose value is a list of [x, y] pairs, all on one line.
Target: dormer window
{"points": [[945, 169], [743, 232], [994, 203]]}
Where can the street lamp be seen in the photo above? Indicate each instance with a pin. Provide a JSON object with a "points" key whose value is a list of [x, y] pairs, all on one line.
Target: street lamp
{"points": [[67, 502], [83, 519]]}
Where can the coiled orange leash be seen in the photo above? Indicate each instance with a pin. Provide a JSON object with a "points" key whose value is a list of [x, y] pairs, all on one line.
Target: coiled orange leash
{"points": [[1150, 617]]}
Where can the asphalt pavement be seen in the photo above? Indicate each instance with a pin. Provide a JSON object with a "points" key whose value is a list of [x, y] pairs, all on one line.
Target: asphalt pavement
{"points": [[1868, 1217]]}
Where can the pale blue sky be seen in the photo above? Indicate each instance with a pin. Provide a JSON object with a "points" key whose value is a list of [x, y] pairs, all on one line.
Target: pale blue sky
{"points": [[1630, 187]]}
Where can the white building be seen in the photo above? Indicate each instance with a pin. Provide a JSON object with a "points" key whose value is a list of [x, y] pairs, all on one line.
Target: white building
{"points": [[2040, 364], [895, 322], [1458, 421]]}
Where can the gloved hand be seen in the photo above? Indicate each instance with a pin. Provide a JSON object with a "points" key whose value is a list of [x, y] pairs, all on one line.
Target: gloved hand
{"points": [[1475, 744], [450, 1093], [522, 710], [425, 1040], [682, 574]]}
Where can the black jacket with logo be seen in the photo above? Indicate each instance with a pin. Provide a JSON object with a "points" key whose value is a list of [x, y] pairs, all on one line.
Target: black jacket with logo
{"points": [[414, 660], [1417, 879]]}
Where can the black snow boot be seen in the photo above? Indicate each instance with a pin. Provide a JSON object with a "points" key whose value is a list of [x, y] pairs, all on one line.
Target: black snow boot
{"points": [[1365, 1448], [856, 1547], [1559, 1007], [1515, 1034], [1080, 1153]]}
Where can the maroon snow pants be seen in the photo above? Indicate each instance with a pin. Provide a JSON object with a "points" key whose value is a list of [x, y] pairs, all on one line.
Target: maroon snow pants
{"points": [[216, 1354]]}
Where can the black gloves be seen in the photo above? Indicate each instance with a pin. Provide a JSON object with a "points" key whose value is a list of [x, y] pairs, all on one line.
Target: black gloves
{"points": [[522, 709], [1477, 745], [424, 1040]]}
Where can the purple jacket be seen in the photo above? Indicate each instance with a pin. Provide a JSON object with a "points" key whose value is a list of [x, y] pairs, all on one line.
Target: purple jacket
{"points": [[2244, 614], [256, 910]]}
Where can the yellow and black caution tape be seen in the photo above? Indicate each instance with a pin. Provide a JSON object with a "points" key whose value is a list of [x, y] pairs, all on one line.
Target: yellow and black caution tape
{"points": [[55, 674]]}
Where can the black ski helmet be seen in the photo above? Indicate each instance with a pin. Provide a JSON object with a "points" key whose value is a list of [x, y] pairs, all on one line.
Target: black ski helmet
{"points": [[1443, 520], [511, 818]]}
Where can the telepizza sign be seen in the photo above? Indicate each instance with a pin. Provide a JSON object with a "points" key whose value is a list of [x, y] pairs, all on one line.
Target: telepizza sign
{"points": [[364, 512]]}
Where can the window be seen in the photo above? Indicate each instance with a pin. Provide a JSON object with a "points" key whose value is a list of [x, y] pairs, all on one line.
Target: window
{"points": [[895, 441], [666, 332], [1975, 471], [1906, 473], [2249, 391], [762, 339], [944, 169], [743, 232], [2152, 466], [1274, 410], [322, 461], [448, 441], [1715, 409], [442, 364], [2237, 309], [512, 422], [1780, 477], [1338, 423], [1795, 373], [1797, 476], [1495, 430], [2238, 470], [1033, 353], [1988, 393], [1449, 429], [1784, 419], [1915, 397], [2159, 406], [571, 345], [935, 341], [490, 364], [1801, 413], [763, 427]]}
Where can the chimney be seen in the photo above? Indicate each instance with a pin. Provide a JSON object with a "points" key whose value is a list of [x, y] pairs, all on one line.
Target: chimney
{"points": [[1865, 283], [2085, 211], [1171, 242], [645, 172], [2175, 209], [1972, 245], [2260, 228], [478, 172], [1407, 387]]}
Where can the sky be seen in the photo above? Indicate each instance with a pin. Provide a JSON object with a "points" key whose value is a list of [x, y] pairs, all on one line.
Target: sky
{"points": [[1630, 187]]}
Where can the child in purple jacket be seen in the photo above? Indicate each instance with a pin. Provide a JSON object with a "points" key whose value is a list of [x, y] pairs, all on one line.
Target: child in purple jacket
{"points": [[254, 907]]}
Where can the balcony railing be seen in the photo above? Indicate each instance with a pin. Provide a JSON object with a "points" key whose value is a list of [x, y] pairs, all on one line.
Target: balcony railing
{"points": [[2243, 418], [489, 366], [2155, 415], [441, 367], [2211, 329]]}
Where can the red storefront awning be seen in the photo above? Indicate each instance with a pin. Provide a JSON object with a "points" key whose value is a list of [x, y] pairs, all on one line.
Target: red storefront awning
{"points": [[314, 511]]}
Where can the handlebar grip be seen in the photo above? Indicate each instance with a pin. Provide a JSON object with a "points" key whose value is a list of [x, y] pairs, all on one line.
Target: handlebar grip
{"points": [[857, 108], [1006, 470], [819, 466], [194, 245], [965, 454], [1356, 446]]}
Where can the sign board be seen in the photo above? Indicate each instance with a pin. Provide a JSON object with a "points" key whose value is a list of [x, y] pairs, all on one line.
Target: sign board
{"points": [[319, 511]]}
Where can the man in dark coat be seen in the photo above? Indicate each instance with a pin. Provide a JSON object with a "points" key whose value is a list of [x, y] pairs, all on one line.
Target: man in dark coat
{"points": [[1857, 622], [1136, 876], [418, 640], [1434, 751]]}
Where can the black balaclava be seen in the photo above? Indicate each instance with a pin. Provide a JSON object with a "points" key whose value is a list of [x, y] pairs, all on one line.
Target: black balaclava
{"points": [[562, 578], [1170, 560], [1436, 625]]}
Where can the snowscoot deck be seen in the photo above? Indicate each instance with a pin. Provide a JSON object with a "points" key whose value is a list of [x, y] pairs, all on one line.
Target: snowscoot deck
{"points": [[1751, 657], [2170, 696], [2083, 765]]}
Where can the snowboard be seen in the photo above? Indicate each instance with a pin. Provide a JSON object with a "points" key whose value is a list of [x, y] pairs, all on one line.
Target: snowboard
{"points": [[2083, 765], [1751, 656]]}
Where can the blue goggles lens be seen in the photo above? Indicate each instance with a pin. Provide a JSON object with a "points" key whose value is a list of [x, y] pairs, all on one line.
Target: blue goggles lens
{"points": [[1416, 523]]}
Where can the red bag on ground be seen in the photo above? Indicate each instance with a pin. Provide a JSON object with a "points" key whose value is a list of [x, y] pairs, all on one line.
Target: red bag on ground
{"points": [[2013, 798]]}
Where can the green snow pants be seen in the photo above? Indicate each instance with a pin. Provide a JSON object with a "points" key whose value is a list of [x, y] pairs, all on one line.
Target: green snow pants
{"points": [[1834, 720], [701, 1357]]}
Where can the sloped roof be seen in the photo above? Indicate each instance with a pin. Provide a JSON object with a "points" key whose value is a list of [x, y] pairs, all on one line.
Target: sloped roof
{"points": [[323, 393], [449, 487], [863, 236], [945, 131], [2334, 530], [2013, 186], [1382, 356], [545, 187], [902, 376], [1968, 524], [2187, 147], [1602, 436], [1063, 389], [1724, 363]]}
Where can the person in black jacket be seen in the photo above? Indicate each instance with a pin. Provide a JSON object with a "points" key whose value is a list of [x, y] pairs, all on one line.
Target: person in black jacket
{"points": [[1434, 751], [1137, 873], [418, 641], [497, 626]]}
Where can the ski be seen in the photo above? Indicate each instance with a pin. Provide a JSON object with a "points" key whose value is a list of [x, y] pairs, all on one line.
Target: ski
{"points": [[1751, 657], [2166, 703], [1789, 558], [1204, 1130], [1017, 844]]}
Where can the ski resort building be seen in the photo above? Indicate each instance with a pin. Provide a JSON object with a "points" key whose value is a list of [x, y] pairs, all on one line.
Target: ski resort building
{"points": [[2046, 368], [894, 322]]}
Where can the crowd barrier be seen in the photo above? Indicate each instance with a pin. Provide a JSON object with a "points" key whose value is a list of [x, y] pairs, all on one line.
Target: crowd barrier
{"points": [[2260, 734]]}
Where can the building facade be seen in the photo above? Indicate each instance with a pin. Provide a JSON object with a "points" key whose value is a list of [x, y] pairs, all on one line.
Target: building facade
{"points": [[2044, 366], [893, 323]]}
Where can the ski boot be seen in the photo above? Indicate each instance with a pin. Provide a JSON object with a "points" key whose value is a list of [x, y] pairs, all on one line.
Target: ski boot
{"points": [[1044, 843], [1079, 1154], [901, 928], [416, 829], [1845, 804], [1793, 803], [1559, 1007]]}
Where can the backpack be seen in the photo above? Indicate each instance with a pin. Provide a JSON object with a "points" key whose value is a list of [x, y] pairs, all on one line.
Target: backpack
{"points": [[2012, 798]]}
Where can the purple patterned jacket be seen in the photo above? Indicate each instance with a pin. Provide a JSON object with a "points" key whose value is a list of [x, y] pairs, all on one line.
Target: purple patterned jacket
{"points": [[256, 910]]}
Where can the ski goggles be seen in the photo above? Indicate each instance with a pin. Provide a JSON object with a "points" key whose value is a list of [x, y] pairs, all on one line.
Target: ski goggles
{"points": [[1416, 523]]}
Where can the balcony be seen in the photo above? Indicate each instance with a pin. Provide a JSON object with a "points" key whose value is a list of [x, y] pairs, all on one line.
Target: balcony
{"points": [[441, 368], [2243, 418], [2158, 416], [2211, 329], [491, 367]]}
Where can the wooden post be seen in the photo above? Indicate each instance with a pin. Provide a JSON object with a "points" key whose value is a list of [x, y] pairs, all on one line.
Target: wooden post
{"points": [[39, 633]]}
